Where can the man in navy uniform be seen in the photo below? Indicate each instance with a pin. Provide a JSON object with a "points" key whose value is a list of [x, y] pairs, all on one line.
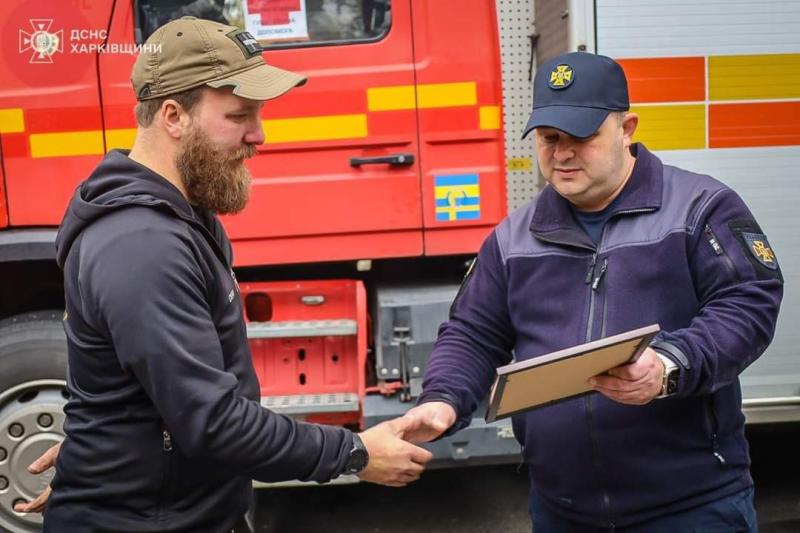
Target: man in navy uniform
{"points": [[617, 241]]}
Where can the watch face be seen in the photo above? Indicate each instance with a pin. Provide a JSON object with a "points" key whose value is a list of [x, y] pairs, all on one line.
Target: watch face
{"points": [[357, 460], [672, 382]]}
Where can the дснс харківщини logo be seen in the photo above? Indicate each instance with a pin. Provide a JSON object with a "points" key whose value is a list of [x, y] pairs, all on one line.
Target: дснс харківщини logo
{"points": [[41, 42]]}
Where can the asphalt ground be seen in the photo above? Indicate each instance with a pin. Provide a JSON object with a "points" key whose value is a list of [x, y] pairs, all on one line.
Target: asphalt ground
{"points": [[494, 498]]}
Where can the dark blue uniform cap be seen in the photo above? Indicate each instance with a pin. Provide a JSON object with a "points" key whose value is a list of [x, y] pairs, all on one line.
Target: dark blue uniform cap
{"points": [[575, 93]]}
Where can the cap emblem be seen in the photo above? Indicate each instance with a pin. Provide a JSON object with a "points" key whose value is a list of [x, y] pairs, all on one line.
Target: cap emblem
{"points": [[249, 44], [561, 77]]}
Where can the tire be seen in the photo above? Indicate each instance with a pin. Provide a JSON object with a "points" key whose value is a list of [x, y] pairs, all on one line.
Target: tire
{"points": [[33, 370]]}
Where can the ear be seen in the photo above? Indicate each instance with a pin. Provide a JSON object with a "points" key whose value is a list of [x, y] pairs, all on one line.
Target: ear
{"points": [[629, 123], [175, 119]]}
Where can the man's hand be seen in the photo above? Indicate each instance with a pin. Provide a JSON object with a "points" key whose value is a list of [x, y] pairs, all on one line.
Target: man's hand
{"points": [[45, 462], [392, 460], [432, 419], [633, 384]]}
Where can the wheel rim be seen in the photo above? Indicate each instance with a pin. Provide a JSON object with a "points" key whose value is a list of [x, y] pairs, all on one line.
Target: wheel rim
{"points": [[31, 421]]}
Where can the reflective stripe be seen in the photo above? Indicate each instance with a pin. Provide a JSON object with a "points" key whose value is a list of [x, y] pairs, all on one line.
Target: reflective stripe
{"points": [[490, 117], [391, 98], [323, 128], [754, 77], [12, 121], [754, 124], [286, 130], [671, 127], [447, 95], [67, 143], [428, 96], [666, 79], [120, 138]]}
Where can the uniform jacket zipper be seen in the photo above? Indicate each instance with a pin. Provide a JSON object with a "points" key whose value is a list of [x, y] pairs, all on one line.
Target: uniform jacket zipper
{"points": [[720, 251], [711, 422]]}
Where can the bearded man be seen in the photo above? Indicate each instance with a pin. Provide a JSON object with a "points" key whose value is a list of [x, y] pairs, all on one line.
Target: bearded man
{"points": [[164, 430]]}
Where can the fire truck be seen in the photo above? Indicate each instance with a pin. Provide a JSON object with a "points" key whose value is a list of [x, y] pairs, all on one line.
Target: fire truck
{"points": [[377, 182]]}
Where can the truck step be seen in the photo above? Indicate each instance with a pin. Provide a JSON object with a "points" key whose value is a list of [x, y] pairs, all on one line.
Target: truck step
{"points": [[301, 328], [339, 402]]}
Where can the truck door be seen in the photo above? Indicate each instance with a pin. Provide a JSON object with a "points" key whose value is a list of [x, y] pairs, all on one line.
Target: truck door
{"points": [[459, 99], [338, 175], [50, 119]]}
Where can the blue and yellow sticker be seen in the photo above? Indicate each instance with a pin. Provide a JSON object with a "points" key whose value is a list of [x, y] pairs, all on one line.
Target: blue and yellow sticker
{"points": [[458, 197]]}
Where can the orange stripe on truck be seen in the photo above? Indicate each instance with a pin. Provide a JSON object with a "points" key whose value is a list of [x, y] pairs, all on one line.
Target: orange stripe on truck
{"points": [[665, 79], [757, 124]]}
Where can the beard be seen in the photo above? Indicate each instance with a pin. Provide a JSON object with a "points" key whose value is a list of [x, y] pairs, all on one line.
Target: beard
{"points": [[214, 179]]}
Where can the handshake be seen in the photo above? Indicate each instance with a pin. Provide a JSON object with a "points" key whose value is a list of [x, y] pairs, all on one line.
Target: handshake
{"points": [[394, 460]]}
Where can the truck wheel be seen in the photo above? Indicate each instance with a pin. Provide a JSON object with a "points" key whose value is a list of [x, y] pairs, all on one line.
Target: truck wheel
{"points": [[33, 370]]}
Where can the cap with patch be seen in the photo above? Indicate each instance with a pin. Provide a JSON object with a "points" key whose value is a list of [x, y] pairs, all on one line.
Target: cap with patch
{"points": [[190, 52], [575, 93]]}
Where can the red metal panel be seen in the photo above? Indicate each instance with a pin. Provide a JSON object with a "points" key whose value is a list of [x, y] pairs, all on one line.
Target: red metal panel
{"points": [[330, 247], [42, 198], [57, 92], [312, 365], [452, 142]]}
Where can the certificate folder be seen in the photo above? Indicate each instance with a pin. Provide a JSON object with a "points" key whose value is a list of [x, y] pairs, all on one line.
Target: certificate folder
{"points": [[564, 374]]}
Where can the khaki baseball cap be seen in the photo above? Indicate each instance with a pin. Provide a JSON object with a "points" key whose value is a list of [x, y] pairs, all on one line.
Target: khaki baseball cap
{"points": [[190, 52]]}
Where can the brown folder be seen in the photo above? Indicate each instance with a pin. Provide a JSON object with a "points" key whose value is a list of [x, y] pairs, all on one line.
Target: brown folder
{"points": [[557, 376]]}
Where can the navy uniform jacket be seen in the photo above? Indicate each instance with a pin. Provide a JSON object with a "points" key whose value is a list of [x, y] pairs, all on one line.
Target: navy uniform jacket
{"points": [[681, 250], [164, 426]]}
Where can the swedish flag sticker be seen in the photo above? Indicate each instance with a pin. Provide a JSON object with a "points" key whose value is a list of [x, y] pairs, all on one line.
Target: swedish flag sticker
{"points": [[458, 197]]}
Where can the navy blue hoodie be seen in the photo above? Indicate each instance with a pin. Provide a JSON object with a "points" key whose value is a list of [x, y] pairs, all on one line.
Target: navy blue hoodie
{"points": [[164, 426]]}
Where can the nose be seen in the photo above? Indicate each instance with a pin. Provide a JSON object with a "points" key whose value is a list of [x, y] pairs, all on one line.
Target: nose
{"points": [[564, 150], [255, 134]]}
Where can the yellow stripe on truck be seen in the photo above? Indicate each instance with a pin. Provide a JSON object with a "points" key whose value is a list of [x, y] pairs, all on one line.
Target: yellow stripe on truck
{"points": [[490, 117], [67, 143], [754, 77], [447, 95], [671, 127], [120, 138], [391, 98], [323, 128], [428, 96], [12, 121]]}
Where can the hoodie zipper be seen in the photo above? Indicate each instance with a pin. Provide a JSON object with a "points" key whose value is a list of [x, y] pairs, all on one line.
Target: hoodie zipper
{"points": [[166, 478], [720, 251]]}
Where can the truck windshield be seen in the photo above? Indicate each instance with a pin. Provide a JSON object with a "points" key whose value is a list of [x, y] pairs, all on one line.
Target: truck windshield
{"points": [[277, 23]]}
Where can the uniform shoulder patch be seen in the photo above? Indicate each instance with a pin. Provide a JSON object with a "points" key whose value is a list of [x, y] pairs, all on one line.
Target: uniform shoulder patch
{"points": [[757, 247]]}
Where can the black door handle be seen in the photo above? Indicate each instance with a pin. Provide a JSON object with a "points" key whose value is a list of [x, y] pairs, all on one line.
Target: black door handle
{"points": [[394, 160]]}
